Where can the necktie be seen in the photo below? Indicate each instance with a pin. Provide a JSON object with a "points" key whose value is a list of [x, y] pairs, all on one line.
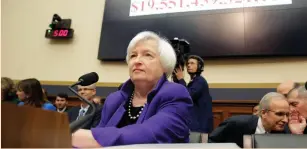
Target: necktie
{"points": [[81, 113]]}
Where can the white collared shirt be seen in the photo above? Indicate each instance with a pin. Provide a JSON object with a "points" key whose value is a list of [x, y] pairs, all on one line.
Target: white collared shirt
{"points": [[260, 129], [83, 111], [61, 111]]}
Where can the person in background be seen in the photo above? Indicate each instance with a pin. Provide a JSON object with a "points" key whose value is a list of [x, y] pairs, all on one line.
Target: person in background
{"points": [[202, 116], [87, 92], [297, 99], [45, 94], [285, 87], [30, 92], [256, 110], [98, 100], [8, 91], [61, 102], [148, 108], [273, 117]]}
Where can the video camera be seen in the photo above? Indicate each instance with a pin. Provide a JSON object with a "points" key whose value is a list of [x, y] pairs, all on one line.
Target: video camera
{"points": [[182, 48]]}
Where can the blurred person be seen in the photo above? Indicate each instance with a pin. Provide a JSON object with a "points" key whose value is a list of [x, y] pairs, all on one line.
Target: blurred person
{"points": [[148, 108], [98, 100], [61, 102], [45, 95], [256, 110], [297, 99], [87, 92], [202, 116], [30, 92], [285, 87], [8, 91], [273, 117]]}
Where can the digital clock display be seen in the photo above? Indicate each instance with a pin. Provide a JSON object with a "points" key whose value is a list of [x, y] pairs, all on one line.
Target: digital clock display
{"points": [[59, 33]]}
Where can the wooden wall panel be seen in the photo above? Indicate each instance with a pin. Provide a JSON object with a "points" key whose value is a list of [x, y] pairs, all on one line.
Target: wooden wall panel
{"points": [[223, 109], [217, 117]]}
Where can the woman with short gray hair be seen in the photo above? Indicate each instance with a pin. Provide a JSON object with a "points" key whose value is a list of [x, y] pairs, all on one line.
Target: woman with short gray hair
{"points": [[148, 108]]}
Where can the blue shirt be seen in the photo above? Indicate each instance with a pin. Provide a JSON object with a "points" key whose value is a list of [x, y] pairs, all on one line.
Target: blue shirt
{"points": [[83, 111], [45, 106]]}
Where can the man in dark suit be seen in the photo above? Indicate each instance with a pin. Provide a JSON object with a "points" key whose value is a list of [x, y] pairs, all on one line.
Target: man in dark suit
{"points": [[61, 102], [297, 99], [202, 117], [256, 110], [273, 117], [87, 92]]}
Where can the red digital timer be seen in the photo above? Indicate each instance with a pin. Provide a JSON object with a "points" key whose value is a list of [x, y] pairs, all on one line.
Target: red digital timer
{"points": [[59, 33]]}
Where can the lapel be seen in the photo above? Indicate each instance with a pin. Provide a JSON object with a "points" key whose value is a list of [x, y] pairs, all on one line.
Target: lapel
{"points": [[142, 116], [76, 113], [115, 119], [253, 124], [66, 110], [90, 109]]}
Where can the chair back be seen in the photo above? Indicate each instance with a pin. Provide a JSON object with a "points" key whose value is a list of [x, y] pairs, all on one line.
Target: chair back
{"points": [[275, 141]]}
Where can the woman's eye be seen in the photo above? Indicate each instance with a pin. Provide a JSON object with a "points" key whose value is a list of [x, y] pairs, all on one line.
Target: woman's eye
{"points": [[148, 55]]}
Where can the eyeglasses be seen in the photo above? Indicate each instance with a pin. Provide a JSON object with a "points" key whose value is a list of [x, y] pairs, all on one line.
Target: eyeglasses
{"points": [[281, 114], [84, 89]]}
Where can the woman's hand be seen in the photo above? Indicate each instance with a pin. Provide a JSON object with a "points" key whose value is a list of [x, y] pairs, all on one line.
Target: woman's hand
{"points": [[84, 139]]}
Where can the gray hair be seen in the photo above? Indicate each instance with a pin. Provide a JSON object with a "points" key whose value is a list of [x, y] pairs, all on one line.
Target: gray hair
{"points": [[167, 53], [92, 86], [267, 98], [301, 90]]}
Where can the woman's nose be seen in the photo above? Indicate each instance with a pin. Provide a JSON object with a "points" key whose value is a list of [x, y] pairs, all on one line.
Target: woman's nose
{"points": [[138, 60], [292, 109]]}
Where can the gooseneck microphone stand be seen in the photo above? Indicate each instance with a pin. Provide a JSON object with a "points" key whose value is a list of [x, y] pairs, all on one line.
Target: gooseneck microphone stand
{"points": [[77, 124]]}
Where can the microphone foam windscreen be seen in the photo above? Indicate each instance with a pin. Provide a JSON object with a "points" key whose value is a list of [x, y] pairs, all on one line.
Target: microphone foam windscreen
{"points": [[89, 79]]}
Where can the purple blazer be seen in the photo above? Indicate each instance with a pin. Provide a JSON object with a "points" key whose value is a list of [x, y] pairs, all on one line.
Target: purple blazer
{"points": [[165, 118]]}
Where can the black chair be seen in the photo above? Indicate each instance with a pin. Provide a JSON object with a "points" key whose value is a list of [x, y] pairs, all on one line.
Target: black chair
{"points": [[275, 141]]}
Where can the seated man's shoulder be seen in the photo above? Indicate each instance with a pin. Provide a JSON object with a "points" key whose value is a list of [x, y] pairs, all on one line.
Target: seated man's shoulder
{"points": [[74, 108], [49, 106], [241, 119]]}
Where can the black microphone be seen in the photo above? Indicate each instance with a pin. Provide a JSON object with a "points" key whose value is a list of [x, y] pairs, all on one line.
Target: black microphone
{"points": [[84, 80], [306, 85], [87, 79]]}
